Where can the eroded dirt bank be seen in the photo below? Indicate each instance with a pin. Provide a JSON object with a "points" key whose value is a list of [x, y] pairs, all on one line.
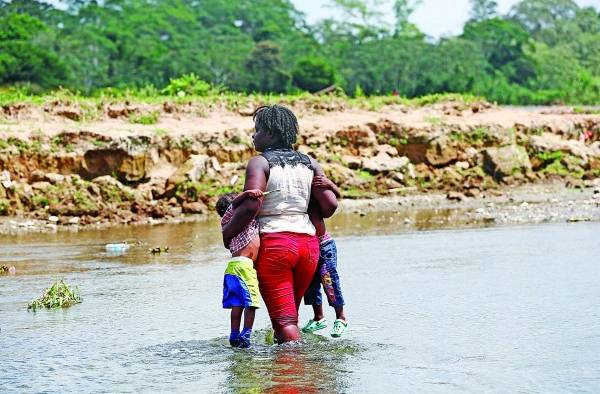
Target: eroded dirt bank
{"points": [[59, 169]]}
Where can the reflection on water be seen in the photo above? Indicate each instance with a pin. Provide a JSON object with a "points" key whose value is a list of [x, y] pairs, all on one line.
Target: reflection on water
{"points": [[315, 365], [310, 366], [497, 309]]}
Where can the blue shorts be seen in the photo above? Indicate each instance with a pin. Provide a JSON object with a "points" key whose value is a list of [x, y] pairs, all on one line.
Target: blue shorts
{"points": [[240, 285], [327, 276]]}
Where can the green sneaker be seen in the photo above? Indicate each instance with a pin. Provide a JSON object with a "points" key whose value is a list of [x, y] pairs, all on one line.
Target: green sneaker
{"points": [[313, 326], [339, 327]]}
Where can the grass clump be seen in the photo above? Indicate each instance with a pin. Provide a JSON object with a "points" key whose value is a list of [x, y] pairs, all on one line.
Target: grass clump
{"points": [[144, 118], [59, 295], [556, 168], [194, 191], [365, 175], [4, 205], [550, 157]]}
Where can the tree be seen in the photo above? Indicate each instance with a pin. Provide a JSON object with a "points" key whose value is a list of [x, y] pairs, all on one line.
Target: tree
{"points": [[544, 19], [265, 69], [313, 74], [24, 52], [483, 9], [503, 43], [403, 9], [455, 66]]}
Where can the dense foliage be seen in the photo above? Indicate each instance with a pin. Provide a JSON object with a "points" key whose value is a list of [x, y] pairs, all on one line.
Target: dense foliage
{"points": [[542, 51]]}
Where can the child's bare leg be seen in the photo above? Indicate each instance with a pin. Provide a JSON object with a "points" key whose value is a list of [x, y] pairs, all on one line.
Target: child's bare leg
{"points": [[248, 323], [339, 313], [249, 314], [318, 310], [236, 319]]}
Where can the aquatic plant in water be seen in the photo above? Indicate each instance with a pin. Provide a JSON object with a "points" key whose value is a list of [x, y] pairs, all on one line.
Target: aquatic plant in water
{"points": [[59, 295]]}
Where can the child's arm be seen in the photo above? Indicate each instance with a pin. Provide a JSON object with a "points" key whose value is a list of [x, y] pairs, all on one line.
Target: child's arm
{"points": [[252, 193], [322, 182], [314, 213]]}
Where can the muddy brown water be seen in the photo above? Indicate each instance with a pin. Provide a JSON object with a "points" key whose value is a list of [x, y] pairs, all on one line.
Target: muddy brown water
{"points": [[498, 309]]}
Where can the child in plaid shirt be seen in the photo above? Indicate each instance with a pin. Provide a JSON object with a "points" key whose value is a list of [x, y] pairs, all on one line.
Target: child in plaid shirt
{"points": [[240, 285]]}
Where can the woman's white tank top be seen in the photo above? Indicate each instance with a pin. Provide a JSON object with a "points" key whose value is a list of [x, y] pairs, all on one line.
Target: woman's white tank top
{"points": [[290, 179]]}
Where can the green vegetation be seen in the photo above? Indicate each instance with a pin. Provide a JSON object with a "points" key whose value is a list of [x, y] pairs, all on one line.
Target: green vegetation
{"points": [[83, 201], [435, 120], [59, 295], [4, 205], [367, 176], [144, 118], [540, 52], [188, 85], [479, 136], [40, 201], [549, 157], [193, 191], [556, 168]]}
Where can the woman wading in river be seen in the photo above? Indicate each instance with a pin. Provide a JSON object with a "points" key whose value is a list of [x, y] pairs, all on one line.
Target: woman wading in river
{"points": [[289, 250]]}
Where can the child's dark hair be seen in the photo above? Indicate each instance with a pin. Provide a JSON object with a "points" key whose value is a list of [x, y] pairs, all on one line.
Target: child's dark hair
{"points": [[224, 202], [278, 120]]}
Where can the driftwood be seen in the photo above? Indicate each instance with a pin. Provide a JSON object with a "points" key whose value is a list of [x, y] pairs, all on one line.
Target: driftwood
{"points": [[328, 89]]}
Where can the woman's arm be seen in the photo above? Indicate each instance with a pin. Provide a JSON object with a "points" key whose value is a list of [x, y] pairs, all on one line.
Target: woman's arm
{"points": [[256, 178], [325, 198]]}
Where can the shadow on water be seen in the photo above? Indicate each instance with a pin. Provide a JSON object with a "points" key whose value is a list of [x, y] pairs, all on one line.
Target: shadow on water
{"points": [[315, 364]]}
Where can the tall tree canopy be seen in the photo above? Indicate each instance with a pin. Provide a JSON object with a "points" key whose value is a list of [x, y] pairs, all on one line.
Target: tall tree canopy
{"points": [[541, 51]]}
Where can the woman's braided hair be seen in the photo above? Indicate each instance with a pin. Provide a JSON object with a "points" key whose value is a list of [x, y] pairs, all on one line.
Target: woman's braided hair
{"points": [[279, 120]]}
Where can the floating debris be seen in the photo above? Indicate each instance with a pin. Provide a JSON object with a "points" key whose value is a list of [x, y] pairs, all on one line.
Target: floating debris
{"points": [[117, 248], [577, 219], [6, 270], [59, 295], [159, 250]]}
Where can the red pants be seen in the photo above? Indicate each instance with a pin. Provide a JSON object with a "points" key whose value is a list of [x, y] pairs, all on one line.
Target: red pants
{"points": [[286, 265]]}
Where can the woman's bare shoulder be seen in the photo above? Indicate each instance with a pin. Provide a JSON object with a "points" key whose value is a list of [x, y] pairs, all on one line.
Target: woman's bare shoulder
{"points": [[257, 162]]}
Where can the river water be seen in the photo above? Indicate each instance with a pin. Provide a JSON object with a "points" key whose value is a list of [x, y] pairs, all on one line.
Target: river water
{"points": [[500, 309]]}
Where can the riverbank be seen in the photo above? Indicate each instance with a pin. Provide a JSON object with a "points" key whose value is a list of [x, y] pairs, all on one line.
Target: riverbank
{"points": [[64, 166], [529, 204]]}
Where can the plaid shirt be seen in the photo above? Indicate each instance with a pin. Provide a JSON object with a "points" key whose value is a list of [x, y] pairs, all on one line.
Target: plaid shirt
{"points": [[242, 239]]}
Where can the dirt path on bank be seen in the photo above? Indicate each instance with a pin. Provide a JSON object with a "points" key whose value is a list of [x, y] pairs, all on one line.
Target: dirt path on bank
{"points": [[32, 121]]}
